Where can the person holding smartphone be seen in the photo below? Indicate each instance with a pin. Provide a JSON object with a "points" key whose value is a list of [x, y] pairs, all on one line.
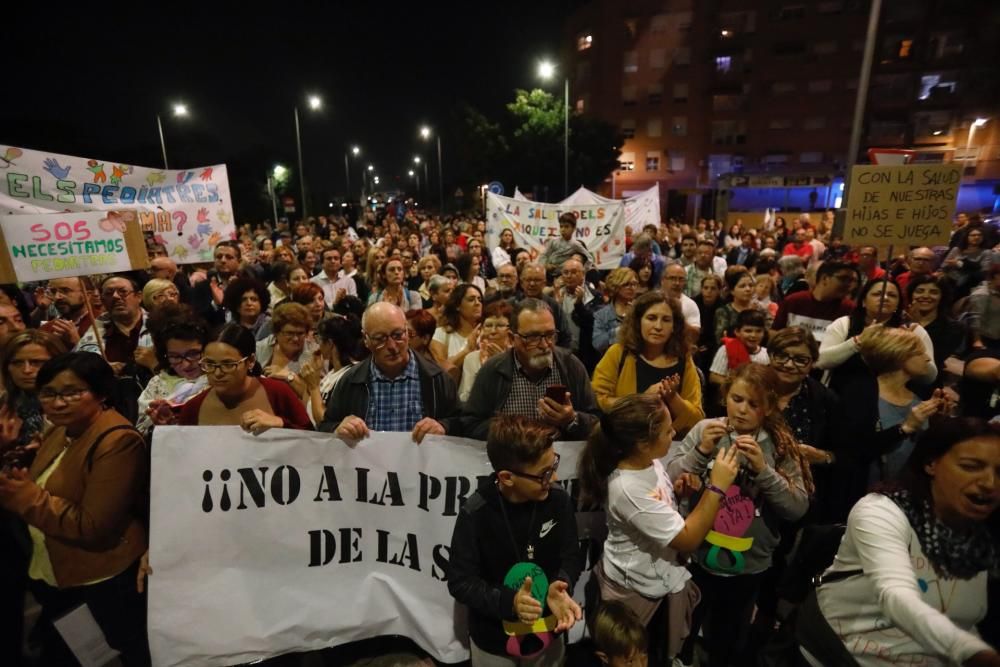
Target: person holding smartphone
{"points": [[534, 379]]}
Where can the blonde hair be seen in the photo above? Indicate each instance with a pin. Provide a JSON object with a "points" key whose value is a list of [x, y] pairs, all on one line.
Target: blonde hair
{"points": [[887, 349], [429, 259], [152, 288], [617, 279]]}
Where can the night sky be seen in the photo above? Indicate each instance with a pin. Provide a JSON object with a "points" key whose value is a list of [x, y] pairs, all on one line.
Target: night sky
{"points": [[92, 83]]}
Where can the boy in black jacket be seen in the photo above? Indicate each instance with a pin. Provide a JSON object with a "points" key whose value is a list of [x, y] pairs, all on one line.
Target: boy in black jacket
{"points": [[514, 552]]}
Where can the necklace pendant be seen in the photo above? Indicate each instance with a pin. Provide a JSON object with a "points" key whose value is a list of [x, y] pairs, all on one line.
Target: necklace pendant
{"points": [[531, 552]]}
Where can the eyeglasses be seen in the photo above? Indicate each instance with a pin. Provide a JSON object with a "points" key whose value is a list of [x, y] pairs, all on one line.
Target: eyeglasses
{"points": [[293, 334], [545, 478], [381, 340], [53, 292], [193, 356], [168, 294], [111, 293], [781, 359], [226, 366], [631, 283], [69, 396], [533, 340]]}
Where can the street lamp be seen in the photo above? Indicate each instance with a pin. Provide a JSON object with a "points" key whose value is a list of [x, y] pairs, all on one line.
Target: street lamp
{"points": [[315, 103], [973, 126], [180, 111], [546, 71], [347, 170], [425, 133], [274, 175], [417, 160]]}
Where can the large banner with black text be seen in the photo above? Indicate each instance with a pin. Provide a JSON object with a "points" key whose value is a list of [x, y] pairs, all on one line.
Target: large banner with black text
{"points": [[294, 541]]}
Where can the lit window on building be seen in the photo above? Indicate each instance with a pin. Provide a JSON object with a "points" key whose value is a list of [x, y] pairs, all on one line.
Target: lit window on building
{"points": [[653, 161], [627, 161], [584, 41], [936, 86], [905, 48], [723, 64], [676, 161]]}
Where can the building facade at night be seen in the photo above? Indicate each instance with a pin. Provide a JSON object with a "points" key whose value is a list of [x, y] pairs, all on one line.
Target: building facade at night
{"points": [[757, 96]]}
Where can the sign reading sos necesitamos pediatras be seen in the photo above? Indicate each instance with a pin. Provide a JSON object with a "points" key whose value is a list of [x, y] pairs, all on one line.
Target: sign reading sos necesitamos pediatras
{"points": [[901, 205], [62, 245]]}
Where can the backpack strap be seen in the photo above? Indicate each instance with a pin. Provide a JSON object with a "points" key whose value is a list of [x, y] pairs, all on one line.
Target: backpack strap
{"points": [[89, 459]]}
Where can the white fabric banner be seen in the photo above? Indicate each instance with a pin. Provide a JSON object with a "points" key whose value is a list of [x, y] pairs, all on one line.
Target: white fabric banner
{"points": [[294, 541], [641, 210], [600, 227], [187, 210]]}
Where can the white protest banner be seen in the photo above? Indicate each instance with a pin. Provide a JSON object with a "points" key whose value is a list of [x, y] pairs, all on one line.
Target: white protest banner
{"points": [[187, 210], [600, 227], [62, 245], [901, 205], [293, 541], [643, 209]]}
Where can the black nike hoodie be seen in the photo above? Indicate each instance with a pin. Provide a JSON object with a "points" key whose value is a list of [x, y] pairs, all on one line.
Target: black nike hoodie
{"points": [[482, 552]]}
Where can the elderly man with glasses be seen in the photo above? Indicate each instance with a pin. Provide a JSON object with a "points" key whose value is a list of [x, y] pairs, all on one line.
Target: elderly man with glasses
{"points": [[534, 379], [395, 390], [122, 327]]}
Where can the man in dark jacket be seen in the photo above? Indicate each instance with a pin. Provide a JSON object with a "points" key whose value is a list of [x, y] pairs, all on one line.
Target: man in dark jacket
{"points": [[744, 255], [515, 382], [395, 390], [514, 555], [206, 296]]}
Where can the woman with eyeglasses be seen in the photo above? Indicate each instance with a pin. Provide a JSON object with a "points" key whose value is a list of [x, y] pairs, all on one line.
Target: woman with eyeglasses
{"points": [[247, 301], [83, 499], [158, 292], [179, 339], [458, 337], [282, 354], [494, 340], [621, 284], [236, 394]]}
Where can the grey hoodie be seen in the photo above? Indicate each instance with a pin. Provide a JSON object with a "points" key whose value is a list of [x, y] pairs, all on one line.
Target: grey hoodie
{"points": [[746, 529]]}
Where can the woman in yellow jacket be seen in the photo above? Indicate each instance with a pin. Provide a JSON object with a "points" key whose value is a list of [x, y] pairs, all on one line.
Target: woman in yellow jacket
{"points": [[652, 356]]}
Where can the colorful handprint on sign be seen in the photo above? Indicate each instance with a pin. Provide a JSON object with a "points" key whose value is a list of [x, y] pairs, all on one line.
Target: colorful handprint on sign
{"points": [[156, 178], [184, 176], [117, 171], [97, 170], [206, 175], [112, 222], [52, 166]]}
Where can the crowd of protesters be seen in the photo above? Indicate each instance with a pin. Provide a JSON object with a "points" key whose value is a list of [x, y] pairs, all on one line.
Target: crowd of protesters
{"points": [[738, 389]]}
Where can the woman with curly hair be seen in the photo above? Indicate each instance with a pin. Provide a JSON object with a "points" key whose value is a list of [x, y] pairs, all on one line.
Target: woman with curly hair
{"points": [[458, 337], [652, 356], [247, 301]]}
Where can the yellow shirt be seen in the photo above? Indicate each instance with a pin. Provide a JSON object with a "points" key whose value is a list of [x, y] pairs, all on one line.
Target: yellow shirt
{"points": [[40, 567]]}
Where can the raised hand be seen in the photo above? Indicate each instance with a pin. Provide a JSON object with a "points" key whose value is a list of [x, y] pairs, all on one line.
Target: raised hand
{"points": [[51, 165], [526, 608], [563, 606]]}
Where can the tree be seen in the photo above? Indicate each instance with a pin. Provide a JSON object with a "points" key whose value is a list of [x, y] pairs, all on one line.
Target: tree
{"points": [[482, 148], [536, 119], [594, 149]]}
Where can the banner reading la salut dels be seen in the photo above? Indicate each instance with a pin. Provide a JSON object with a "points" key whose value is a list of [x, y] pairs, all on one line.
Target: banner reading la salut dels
{"points": [[293, 541], [186, 210], [600, 227]]}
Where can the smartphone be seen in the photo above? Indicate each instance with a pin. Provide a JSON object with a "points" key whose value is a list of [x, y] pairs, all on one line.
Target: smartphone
{"points": [[557, 392]]}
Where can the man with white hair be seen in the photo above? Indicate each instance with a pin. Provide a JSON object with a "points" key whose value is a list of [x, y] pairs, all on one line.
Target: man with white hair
{"points": [[524, 380], [394, 390]]}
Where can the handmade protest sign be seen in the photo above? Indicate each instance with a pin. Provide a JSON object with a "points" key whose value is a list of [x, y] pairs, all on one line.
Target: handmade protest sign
{"points": [[293, 541], [62, 245], [600, 226], [186, 210], [901, 205]]}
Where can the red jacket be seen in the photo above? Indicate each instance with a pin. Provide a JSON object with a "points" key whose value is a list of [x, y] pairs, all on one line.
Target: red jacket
{"points": [[805, 250], [284, 402]]}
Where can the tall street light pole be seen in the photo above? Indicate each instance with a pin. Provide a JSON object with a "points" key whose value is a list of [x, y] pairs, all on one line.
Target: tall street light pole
{"points": [[314, 103], [272, 178], [180, 110], [546, 70], [347, 171], [425, 132], [417, 161]]}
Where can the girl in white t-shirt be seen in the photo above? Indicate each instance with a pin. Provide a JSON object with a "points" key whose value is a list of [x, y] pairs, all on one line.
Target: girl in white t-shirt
{"points": [[621, 468]]}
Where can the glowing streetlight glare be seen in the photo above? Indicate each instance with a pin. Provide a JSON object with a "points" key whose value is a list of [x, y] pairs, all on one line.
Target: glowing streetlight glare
{"points": [[279, 171], [355, 150], [315, 102], [182, 110], [410, 172], [371, 168], [416, 160], [425, 132], [979, 122], [546, 69]]}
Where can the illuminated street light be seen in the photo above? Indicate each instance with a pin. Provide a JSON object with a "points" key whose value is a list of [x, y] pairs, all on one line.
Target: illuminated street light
{"points": [[315, 102], [425, 132], [180, 111], [546, 71], [279, 171], [356, 150]]}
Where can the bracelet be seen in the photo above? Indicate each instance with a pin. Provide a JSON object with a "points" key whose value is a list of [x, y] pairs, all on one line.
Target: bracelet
{"points": [[714, 489]]}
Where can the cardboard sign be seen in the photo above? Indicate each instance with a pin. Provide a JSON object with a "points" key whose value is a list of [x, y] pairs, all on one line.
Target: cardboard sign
{"points": [[905, 205], [63, 245]]}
